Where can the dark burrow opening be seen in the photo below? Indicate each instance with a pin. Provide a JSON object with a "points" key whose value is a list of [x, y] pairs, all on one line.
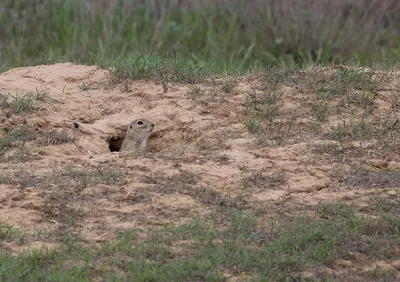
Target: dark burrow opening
{"points": [[115, 143]]}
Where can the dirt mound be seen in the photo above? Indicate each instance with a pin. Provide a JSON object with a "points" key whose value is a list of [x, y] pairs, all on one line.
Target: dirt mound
{"points": [[267, 142]]}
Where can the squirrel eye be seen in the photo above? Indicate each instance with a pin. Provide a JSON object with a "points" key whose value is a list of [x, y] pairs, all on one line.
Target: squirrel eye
{"points": [[140, 122]]}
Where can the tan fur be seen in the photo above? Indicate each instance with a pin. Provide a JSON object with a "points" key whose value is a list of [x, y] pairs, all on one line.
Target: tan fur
{"points": [[137, 134]]}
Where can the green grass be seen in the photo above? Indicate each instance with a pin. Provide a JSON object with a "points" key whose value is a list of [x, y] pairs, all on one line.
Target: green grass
{"points": [[168, 70], [18, 104], [201, 250], [19, 136], [261, 105], [23, 104], [58, 187], [227, 34], [343, 82], [65, 180], [360, 177], [229, 85], [365, 129], [5, 143], [7, 232], [261, 181], [327, 91], [253, 125], [205, 95]]}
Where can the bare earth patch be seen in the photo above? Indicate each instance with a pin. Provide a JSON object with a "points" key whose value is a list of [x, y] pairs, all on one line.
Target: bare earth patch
{"points": [[259, 143]]}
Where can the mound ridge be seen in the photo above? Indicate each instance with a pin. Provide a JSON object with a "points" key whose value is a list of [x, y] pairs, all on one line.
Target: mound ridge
{"points": [[273, 142]]}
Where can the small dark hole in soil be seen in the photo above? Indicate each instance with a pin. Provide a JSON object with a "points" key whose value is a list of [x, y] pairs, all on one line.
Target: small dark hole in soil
{"points": [[115, 144]]}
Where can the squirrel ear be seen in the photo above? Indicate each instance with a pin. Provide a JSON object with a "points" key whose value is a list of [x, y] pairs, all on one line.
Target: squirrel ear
{"points": [[131, 126]]}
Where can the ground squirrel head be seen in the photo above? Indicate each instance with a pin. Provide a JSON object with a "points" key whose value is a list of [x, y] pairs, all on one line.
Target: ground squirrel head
{"points": [[137, 134]]}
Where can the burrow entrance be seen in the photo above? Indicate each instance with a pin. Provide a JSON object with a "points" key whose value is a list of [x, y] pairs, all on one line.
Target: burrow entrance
{"points": [[115, 143]]}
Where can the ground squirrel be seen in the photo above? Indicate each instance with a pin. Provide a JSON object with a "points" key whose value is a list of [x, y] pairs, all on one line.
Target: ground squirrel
{"points": [[137, 134]]}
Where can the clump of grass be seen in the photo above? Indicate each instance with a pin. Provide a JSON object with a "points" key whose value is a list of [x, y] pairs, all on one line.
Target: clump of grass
{"points": [[356, 86], [57, 137], [19, 136], [262, 109], [112, 177], [264, 105], [84, 86], [343, 81], [277, 134], [330, 148], [5, 143], [41, 95], [18, 104], [364, 99], [272, 125], [22, 154], [23, 104], [205, 95], [178, 70], [61, 185], [4, 101], [360, 177], [338, 89], [386, 204], [137, 196], [321, 110], [82, 177], [262, 181], [276, 76], [22, 133], [229, 85], [187, 183], [180, 181], [340, 152], [363, 129], [253, 125], [335, 210], [70, 178], [222, 159], [207, 146], [8, 233]]}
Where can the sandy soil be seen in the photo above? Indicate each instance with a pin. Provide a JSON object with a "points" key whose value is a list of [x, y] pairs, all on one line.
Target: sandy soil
{"points": [[201, 154]]}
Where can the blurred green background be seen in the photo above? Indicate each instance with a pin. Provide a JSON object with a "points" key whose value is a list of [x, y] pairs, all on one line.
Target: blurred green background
{"points": [[230, 33]]}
